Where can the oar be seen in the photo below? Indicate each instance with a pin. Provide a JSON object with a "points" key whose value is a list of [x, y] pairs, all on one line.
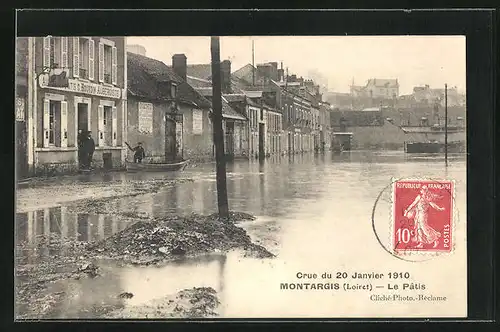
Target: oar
{"points": [[129, 147]]}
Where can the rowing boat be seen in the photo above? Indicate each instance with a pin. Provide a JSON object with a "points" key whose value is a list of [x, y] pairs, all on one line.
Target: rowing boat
{"points": [[156, 166]]}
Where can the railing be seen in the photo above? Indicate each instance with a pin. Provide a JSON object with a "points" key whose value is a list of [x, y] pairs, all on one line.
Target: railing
{"points": [[83, 73]]}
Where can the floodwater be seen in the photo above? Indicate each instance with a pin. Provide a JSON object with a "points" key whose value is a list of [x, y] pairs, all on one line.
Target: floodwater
{"points": [[313, 211]]}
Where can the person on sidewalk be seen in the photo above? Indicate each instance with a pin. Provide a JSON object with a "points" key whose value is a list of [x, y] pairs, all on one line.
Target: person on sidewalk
{"points": [[89, 148]]}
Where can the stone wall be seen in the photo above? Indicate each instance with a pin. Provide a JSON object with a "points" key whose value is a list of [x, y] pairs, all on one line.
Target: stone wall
{"points": [[197, 147], [55, 162], [389, 135]]}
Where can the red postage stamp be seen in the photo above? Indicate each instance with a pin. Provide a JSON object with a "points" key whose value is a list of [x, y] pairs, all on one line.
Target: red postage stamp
{"points": [[423, 216]]}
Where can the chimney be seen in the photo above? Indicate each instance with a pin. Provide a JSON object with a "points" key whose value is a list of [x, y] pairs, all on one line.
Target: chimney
{"points": [[281, 75], [179, 64], [225, 76], [274, 71]]}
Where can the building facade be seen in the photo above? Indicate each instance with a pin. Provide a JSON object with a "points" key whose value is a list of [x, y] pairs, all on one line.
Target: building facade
{"points": [[235, 121], [377, 88], [79, 84], [325, 130], [166, 114], [24, 147]]}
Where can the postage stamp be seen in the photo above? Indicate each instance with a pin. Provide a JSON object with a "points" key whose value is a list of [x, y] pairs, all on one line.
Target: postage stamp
{"points": [[422, 216]]}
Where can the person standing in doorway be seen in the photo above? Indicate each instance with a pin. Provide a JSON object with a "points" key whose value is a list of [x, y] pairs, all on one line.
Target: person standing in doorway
{"points": [[89, 148]]}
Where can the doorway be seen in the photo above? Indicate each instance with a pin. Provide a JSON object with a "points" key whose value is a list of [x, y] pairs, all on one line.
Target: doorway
{"points": [[262, 152], [83, 127], [83, 119], [229, 139], [170, 144]]}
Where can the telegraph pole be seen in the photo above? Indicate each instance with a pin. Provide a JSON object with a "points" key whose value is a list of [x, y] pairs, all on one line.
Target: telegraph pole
{"points": [[446, 124], [217, 127]]}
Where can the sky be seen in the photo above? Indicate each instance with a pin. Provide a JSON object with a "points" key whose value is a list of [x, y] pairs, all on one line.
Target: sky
{"points": [[413, 60]]}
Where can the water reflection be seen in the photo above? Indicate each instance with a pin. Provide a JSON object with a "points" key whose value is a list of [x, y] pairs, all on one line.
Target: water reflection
{"points": [[58, 223], [321, 207]]}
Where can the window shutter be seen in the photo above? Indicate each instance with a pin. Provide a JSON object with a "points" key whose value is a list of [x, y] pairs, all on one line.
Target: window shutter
{"points": [[91, 59], [64, 53], [46, 52], [114, 71], [46, 119], [101, 62], [124, 122], [64, 124], [113, 126], [76, 57], [100, 125]]}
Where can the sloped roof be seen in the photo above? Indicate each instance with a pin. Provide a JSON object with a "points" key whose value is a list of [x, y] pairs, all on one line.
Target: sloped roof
{"points": [[205, 92], [154, 68], [254, 94], [245, 71], [235, 97], [246, 74], [197, 82], [144, 74], [229, 112], [203, 71]]}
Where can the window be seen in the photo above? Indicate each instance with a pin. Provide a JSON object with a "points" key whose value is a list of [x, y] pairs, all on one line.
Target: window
{"points": [[107, 61], [107, 64], [173, 90], [54, 119], [106, 113], [84, 58], [55, 52]]}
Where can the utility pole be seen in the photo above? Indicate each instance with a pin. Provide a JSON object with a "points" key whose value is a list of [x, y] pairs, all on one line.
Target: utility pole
{"points": [[217, 127], [446, 124]]}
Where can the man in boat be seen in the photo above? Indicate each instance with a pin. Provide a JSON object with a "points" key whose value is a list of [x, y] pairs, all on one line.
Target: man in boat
{"points": [[88, 149], [139, 152]]}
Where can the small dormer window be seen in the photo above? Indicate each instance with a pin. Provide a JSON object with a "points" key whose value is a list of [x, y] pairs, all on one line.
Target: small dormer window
{"points": [[173, 90]]}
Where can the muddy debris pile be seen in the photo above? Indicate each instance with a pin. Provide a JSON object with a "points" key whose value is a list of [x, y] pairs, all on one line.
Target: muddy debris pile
{"points": [[157, 240], [197, 302], [233, 217]]}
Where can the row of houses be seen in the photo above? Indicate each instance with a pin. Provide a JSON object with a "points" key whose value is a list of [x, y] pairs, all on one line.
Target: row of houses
{"points": [[378, 92], [70, 84]]}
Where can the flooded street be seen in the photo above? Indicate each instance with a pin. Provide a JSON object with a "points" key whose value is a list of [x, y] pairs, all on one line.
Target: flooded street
{"points": [[310, 211]]}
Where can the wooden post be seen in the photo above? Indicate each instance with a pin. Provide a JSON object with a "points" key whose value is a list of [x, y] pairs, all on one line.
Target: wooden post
{"points": [[446, 124], [217, 127]]}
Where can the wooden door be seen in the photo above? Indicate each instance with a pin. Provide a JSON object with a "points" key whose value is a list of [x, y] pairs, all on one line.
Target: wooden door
{"points": [[230, 139], [170, 145]]}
